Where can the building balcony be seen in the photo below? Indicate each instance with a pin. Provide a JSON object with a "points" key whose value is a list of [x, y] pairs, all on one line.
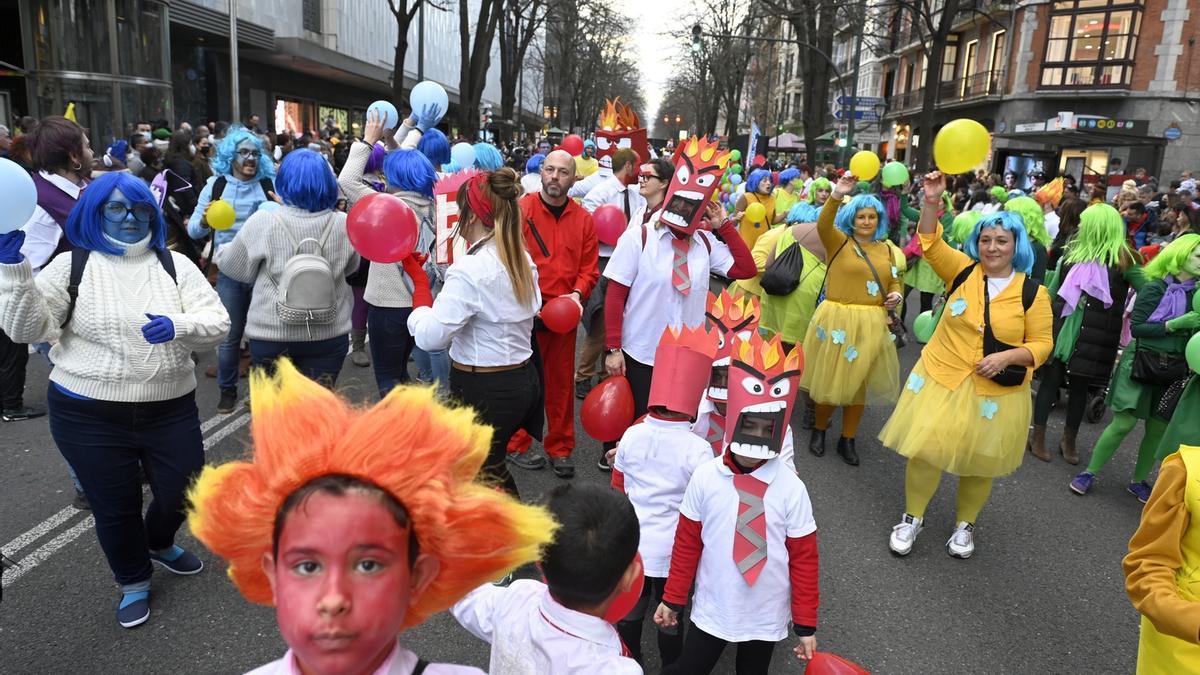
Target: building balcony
{"points": [[978, 85]]}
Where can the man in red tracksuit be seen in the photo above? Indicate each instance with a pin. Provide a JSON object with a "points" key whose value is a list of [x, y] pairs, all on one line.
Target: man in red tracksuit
{"points": [[561, 239]]}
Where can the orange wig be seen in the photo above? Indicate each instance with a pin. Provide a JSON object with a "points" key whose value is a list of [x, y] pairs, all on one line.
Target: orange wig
{"points": [[423, 453]]}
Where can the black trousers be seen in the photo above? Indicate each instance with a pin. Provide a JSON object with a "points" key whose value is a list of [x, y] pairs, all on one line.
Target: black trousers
{"points": [[506, 401], [670, 640], [702, 651], [13, 359], [1054, 373], [926, 300], [639, 375]]}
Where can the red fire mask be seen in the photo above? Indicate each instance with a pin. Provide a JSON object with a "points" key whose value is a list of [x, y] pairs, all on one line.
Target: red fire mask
{"points": [[697, 174], [763, 383], [733, 316]]}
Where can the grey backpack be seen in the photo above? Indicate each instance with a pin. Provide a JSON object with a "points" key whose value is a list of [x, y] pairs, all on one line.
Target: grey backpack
{"points": [[306, 290]]}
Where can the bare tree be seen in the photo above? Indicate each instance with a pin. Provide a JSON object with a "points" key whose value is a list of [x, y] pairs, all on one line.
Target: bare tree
{"points": [[405, 11], [725, 52], [476, 58], [522, 21]]}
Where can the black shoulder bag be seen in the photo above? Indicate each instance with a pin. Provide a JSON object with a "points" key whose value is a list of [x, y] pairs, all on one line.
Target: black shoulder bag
{"points": [[1012, 376]]}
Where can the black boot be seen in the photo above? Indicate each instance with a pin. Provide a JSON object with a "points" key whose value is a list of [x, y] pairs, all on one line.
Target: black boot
{"points": [[845, 448], [816, 442]]}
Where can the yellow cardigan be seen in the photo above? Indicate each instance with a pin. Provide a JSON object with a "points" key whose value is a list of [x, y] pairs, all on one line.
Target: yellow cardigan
{"points": [[957, 345], [848, 276]]}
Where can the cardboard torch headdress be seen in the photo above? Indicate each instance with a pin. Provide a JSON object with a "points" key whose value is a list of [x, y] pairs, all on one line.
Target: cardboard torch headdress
{"points": [[698, 170], [732, 316], [424, 454], [619, 127], [763, 382], [682, 363]]}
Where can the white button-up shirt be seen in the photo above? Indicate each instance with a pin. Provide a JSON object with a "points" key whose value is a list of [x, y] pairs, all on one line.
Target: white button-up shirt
{"points": [[531, 634], [476, 313], [42, 232], [653, 302], [625, 197], [399, 662]]}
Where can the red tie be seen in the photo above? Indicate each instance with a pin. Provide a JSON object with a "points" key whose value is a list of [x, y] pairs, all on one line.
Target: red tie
{"points": [[750, 536], [680, 277]]}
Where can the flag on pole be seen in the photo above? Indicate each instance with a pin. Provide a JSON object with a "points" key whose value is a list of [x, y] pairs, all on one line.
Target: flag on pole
{"points": [[752, 148], [70, 113]]}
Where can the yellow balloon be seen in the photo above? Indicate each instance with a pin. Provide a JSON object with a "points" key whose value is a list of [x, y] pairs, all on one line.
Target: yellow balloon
{"points": [[864, 165], [756, 213], [960, 146], [220, 215]]}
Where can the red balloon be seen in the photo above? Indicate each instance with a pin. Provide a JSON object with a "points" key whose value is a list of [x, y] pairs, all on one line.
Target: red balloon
{"points": [[759, 160], [610, 223], [561, 314], [625, 601], [382, 228], [828, 663], [608, 410], [573, 144]]}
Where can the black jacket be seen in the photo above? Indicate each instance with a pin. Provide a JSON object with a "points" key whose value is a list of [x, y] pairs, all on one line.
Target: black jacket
{"points": [[1100, 333]]}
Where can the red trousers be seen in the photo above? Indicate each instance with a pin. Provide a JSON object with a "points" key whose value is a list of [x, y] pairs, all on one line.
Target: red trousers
{"points": [[558, 367]]}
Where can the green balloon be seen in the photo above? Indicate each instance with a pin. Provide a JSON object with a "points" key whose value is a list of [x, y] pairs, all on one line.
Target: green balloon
{"points": [[736, 168], [1193, 353], [735, 155], [923, 326], [894, 173]]}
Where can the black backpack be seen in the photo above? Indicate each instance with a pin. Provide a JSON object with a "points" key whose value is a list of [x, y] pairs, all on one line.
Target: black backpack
{"points": [[79, 258]]}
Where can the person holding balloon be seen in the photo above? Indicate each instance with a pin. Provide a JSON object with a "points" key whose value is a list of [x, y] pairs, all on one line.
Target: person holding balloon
{"points": [[851, 358], [788, 192], [485, 314], [996, 311], [241, 183], [1162, 322], [755, 209], [127, 313]]}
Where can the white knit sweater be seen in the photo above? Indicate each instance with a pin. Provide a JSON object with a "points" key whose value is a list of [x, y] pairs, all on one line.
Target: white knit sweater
{"points": [[101, 353]]}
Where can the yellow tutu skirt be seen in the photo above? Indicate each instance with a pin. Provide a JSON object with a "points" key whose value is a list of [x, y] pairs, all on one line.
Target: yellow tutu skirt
{"points": [[959, 431], [849, 356]]}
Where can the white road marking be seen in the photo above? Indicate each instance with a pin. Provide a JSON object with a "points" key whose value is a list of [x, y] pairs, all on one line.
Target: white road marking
{"points": [[38, 531], [46, 550]]}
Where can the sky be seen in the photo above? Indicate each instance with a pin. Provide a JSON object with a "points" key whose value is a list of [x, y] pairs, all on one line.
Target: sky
{"points": [[655, 52]]}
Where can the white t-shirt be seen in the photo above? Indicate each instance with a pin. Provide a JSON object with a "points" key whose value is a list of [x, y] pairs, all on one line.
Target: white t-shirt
{"points": [[996, 285], [658, 458], [724, 605], [654, 303]]}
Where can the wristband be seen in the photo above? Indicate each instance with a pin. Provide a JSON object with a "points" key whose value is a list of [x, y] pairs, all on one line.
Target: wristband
{"points": [[674, 607], [804, 631]]}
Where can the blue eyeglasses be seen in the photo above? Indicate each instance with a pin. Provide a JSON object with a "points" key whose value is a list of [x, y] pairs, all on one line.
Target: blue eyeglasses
{"points": [[143, 212]]}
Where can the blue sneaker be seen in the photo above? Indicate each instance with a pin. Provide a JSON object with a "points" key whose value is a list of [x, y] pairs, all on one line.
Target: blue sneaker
{"points": [[1141, 490], [178, 561], [1083, 483], [134, 609]]}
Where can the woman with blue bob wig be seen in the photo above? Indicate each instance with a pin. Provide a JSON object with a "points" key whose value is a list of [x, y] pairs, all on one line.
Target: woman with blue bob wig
{"points": [[759, 185], [960, 413], [122, 391], [410, 176], [303, 315]]}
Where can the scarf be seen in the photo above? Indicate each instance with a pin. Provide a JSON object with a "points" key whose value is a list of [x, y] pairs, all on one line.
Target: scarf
{"points": [[1174, 300], [1088, 277]]}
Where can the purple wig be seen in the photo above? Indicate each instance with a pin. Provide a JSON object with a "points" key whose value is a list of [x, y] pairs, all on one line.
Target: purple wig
{"points": [[375, 161]]}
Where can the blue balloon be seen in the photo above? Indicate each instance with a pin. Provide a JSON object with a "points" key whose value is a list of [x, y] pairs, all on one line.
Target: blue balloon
{"points": [[463, 154], [429, 93], [735, 179], [17, 194], [391, 116]]}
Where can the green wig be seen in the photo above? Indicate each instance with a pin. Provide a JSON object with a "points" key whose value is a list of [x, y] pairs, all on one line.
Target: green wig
{"points": [[1035, 219], [818, 184], [999, 194], [1100, 238], [964, 224], [1170, 260]]}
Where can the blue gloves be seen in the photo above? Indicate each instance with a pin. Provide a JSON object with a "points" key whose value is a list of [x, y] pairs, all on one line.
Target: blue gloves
{"points": [[10, 247], [428, 117], [158, 330]]}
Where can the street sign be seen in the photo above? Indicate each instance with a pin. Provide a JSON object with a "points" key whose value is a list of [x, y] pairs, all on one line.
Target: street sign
{"points": [[860, 101], [859, 114], [1172, 133]]}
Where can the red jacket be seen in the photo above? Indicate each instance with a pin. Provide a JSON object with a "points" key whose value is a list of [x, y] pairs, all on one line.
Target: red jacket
{"points": [[565, 250]]}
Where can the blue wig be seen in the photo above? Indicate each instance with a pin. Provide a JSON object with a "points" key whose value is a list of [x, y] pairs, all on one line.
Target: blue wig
{"points": [[409, 170], [306, 181], [487, 157], [222, 162], [756, 177], [85, 225], [803, 212], [375, 159], [1022, 251], [435, 146], [534, 165], [845, 215], [788, 175]]}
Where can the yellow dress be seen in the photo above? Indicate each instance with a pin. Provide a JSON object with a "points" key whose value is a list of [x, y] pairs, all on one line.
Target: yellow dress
{"points": [[751, 231], [1162, 570]]}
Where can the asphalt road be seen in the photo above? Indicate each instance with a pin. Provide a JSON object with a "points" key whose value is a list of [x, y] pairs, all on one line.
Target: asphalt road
{"points": [[1043, 593]]}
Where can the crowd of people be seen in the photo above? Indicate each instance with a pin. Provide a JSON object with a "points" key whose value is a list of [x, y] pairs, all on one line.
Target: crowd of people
{"points": [[729, 325]]}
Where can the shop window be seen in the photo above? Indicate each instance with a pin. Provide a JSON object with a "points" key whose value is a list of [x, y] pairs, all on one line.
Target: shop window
{"points": [[140, 38], [311, 10], [70, 35], [93, 105], [1091, 43], [143, 104]]}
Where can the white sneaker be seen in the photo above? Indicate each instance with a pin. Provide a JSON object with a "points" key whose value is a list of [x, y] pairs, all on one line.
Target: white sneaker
{"points": [[962, 543], [905, 534]]}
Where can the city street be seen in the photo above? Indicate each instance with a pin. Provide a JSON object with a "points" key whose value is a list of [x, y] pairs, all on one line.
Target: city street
{"points": [[1043, 593]]}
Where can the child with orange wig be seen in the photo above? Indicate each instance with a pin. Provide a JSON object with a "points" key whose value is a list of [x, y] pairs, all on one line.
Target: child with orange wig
{"points": [[358, 524]]}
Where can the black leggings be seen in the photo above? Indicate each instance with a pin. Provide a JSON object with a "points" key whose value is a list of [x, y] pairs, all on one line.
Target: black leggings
{"points": [[702, 651], [505, 401], [926, 302], [1053, 375], [630, 628]]}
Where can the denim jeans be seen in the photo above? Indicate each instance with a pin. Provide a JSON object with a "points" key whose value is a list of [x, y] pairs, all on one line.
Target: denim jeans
{"points": [[319, 360], [391, 344], [433, 367], [104, 442], [236, 297]]}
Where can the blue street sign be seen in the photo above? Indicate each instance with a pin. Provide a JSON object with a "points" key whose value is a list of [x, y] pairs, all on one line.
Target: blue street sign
{"points": [[1173, 133], [861, 115], [860, 101]]}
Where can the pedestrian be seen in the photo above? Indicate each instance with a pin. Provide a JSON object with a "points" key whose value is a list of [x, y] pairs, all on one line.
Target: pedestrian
{"points": [[128, 313], [182, 184], [851, 360], [242, 178], [561, 239], [487, 157], [788, 193], [202, 160], [296, 310], [359, 524], [558, 626], [484, 315], [531, 181], [586, 163], [1161, 324], [1097, 273], [759, 186], [995, 310], [787, 313]]}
